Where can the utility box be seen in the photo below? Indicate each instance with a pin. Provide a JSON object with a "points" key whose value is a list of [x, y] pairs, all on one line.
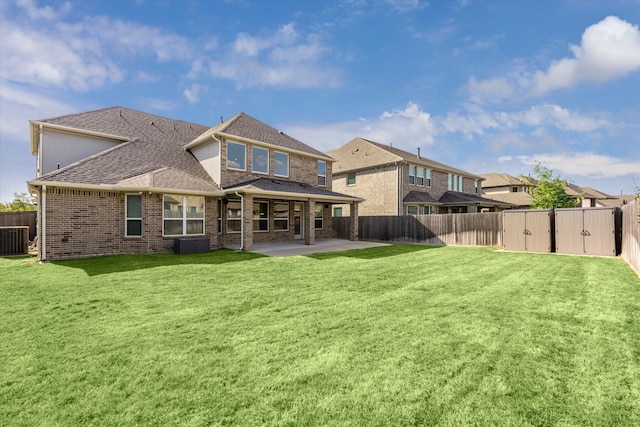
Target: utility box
{"points": [[191, 246], [586, 231], [527, 230]]}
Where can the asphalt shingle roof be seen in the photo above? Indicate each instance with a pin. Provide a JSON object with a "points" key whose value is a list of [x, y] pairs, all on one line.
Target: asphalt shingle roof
{"points": [[454, 197], [154, 143]]}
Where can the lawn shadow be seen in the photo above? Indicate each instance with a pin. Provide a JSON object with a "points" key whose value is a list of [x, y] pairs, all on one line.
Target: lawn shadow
{"points": [[374, 253], [122, 263]]}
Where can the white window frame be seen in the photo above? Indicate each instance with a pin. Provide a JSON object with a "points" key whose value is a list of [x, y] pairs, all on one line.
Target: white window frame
{"points": [[317, 218], [260, 219], [475, 185], [354, 179], [322, 177], [412, 175], [244, 161], [253, 160], [417, 208], [283, 219], [128, 218], [275, 163], [427, 210], [420, 176], [234, 219], [185, 219], [427, 178]]}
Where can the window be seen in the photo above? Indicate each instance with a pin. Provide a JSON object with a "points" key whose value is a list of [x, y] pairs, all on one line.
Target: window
{"points": [[428, 178], [260, 216], [133, 215], [281, 216], [337, 211], [351, 178], [412, 175], [236, 156], [234, 216], [454, 182], [319, 216], [412, 210], [514, 189], [427, 210], [219, 216], [420, 175], [280, 164], [475, 186], [322, 173], [183, 215], [260, 160]]}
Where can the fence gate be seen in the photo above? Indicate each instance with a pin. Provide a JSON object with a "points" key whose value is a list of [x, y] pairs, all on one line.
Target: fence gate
{"points": [[527, 230], [590, 231]]}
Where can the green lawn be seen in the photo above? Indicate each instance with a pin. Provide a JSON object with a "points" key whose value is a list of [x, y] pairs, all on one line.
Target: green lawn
{"points": [[398, 335]]}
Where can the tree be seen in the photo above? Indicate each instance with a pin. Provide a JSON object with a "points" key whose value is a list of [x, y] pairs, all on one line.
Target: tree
{"points": [[21, 202], [548, 191]]}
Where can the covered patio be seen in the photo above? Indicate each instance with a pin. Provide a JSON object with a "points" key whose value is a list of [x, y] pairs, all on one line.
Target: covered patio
{"points": [[298, 247]]}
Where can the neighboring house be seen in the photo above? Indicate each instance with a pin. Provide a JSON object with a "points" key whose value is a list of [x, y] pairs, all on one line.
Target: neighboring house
{"points": [[618, 201], [116, 180], [396, 182], [507, 188]]}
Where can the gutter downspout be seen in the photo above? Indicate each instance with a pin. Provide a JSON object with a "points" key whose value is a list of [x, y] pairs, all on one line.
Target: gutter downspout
{"points": [[39, 162], [242, 221]]}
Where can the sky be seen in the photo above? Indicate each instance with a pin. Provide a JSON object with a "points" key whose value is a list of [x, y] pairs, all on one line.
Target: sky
{"points": [[484, 86]]}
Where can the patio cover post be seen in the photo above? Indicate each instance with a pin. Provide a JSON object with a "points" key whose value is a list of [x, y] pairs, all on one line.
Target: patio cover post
{"points": [[247, 221], [353, 222], [310, 222]]}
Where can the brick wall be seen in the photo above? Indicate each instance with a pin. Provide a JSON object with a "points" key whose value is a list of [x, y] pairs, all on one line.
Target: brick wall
{"points": [[378, 186], [84, 223]]}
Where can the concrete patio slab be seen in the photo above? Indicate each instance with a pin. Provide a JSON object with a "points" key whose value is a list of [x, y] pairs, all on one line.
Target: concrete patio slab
{"points": [[299, 248]]}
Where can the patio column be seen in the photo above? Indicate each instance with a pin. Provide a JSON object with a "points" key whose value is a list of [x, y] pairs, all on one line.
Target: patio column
{"points": [[247, 222], [310, 222], [354, 226]]}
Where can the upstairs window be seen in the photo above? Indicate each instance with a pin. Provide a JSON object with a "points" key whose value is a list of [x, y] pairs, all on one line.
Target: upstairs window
{"points": [[280, 164], [412, 175], [454, 182], [183, 215], [322, 173], [133, 215], [419, 175], [428, 178], [337, 211], [260, 160], [236, 156], [514, 189], [351, 178], [475, 186]]}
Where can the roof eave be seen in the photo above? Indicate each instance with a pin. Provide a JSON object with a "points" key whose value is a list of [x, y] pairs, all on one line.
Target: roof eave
{"points": [[123, 189], [248, 189]]}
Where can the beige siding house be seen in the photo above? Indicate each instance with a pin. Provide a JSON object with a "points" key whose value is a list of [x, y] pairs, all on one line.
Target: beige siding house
{"points": [[396, 182], [117, 180]]}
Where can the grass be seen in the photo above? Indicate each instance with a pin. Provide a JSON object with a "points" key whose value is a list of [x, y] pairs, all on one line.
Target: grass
{"points": [[398, 335]]}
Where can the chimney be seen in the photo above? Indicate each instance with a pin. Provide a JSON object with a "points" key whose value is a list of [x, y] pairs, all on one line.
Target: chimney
{"points": [[418, 152]]}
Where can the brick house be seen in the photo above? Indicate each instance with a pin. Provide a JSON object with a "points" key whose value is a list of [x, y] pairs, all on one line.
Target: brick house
{"points": [[116, 180], [396, 182]]}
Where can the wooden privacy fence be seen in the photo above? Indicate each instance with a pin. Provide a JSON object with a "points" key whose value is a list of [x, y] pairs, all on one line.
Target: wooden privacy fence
{"points": [[28, 218], [630, 248], [475, 229]]}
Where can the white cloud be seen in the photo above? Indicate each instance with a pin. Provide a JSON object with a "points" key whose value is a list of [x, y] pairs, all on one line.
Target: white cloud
{"points": [[79, 55], [47, 12], [192, 93], [584, 164], [609, 49], [283, 58]]}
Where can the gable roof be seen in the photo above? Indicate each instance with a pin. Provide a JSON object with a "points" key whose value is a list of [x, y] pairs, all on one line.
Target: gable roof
{"points": [[153, 156], [494, 179], [244, 127], [360, 153]]}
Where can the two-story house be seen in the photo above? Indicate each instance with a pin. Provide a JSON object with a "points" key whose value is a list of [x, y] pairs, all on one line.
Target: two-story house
{"points": [[396, 182], [117, 180], [510, 189]]}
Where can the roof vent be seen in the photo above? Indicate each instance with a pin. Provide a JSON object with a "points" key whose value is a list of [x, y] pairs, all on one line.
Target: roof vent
{"points": [[418, 152], [280, 132]]}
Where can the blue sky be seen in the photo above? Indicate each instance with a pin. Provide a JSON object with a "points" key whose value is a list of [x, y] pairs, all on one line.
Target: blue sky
{"points": [[485, 86]]}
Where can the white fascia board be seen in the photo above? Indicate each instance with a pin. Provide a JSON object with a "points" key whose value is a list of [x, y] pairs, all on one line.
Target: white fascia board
{"points": [[293, 196], [122, 189]]}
